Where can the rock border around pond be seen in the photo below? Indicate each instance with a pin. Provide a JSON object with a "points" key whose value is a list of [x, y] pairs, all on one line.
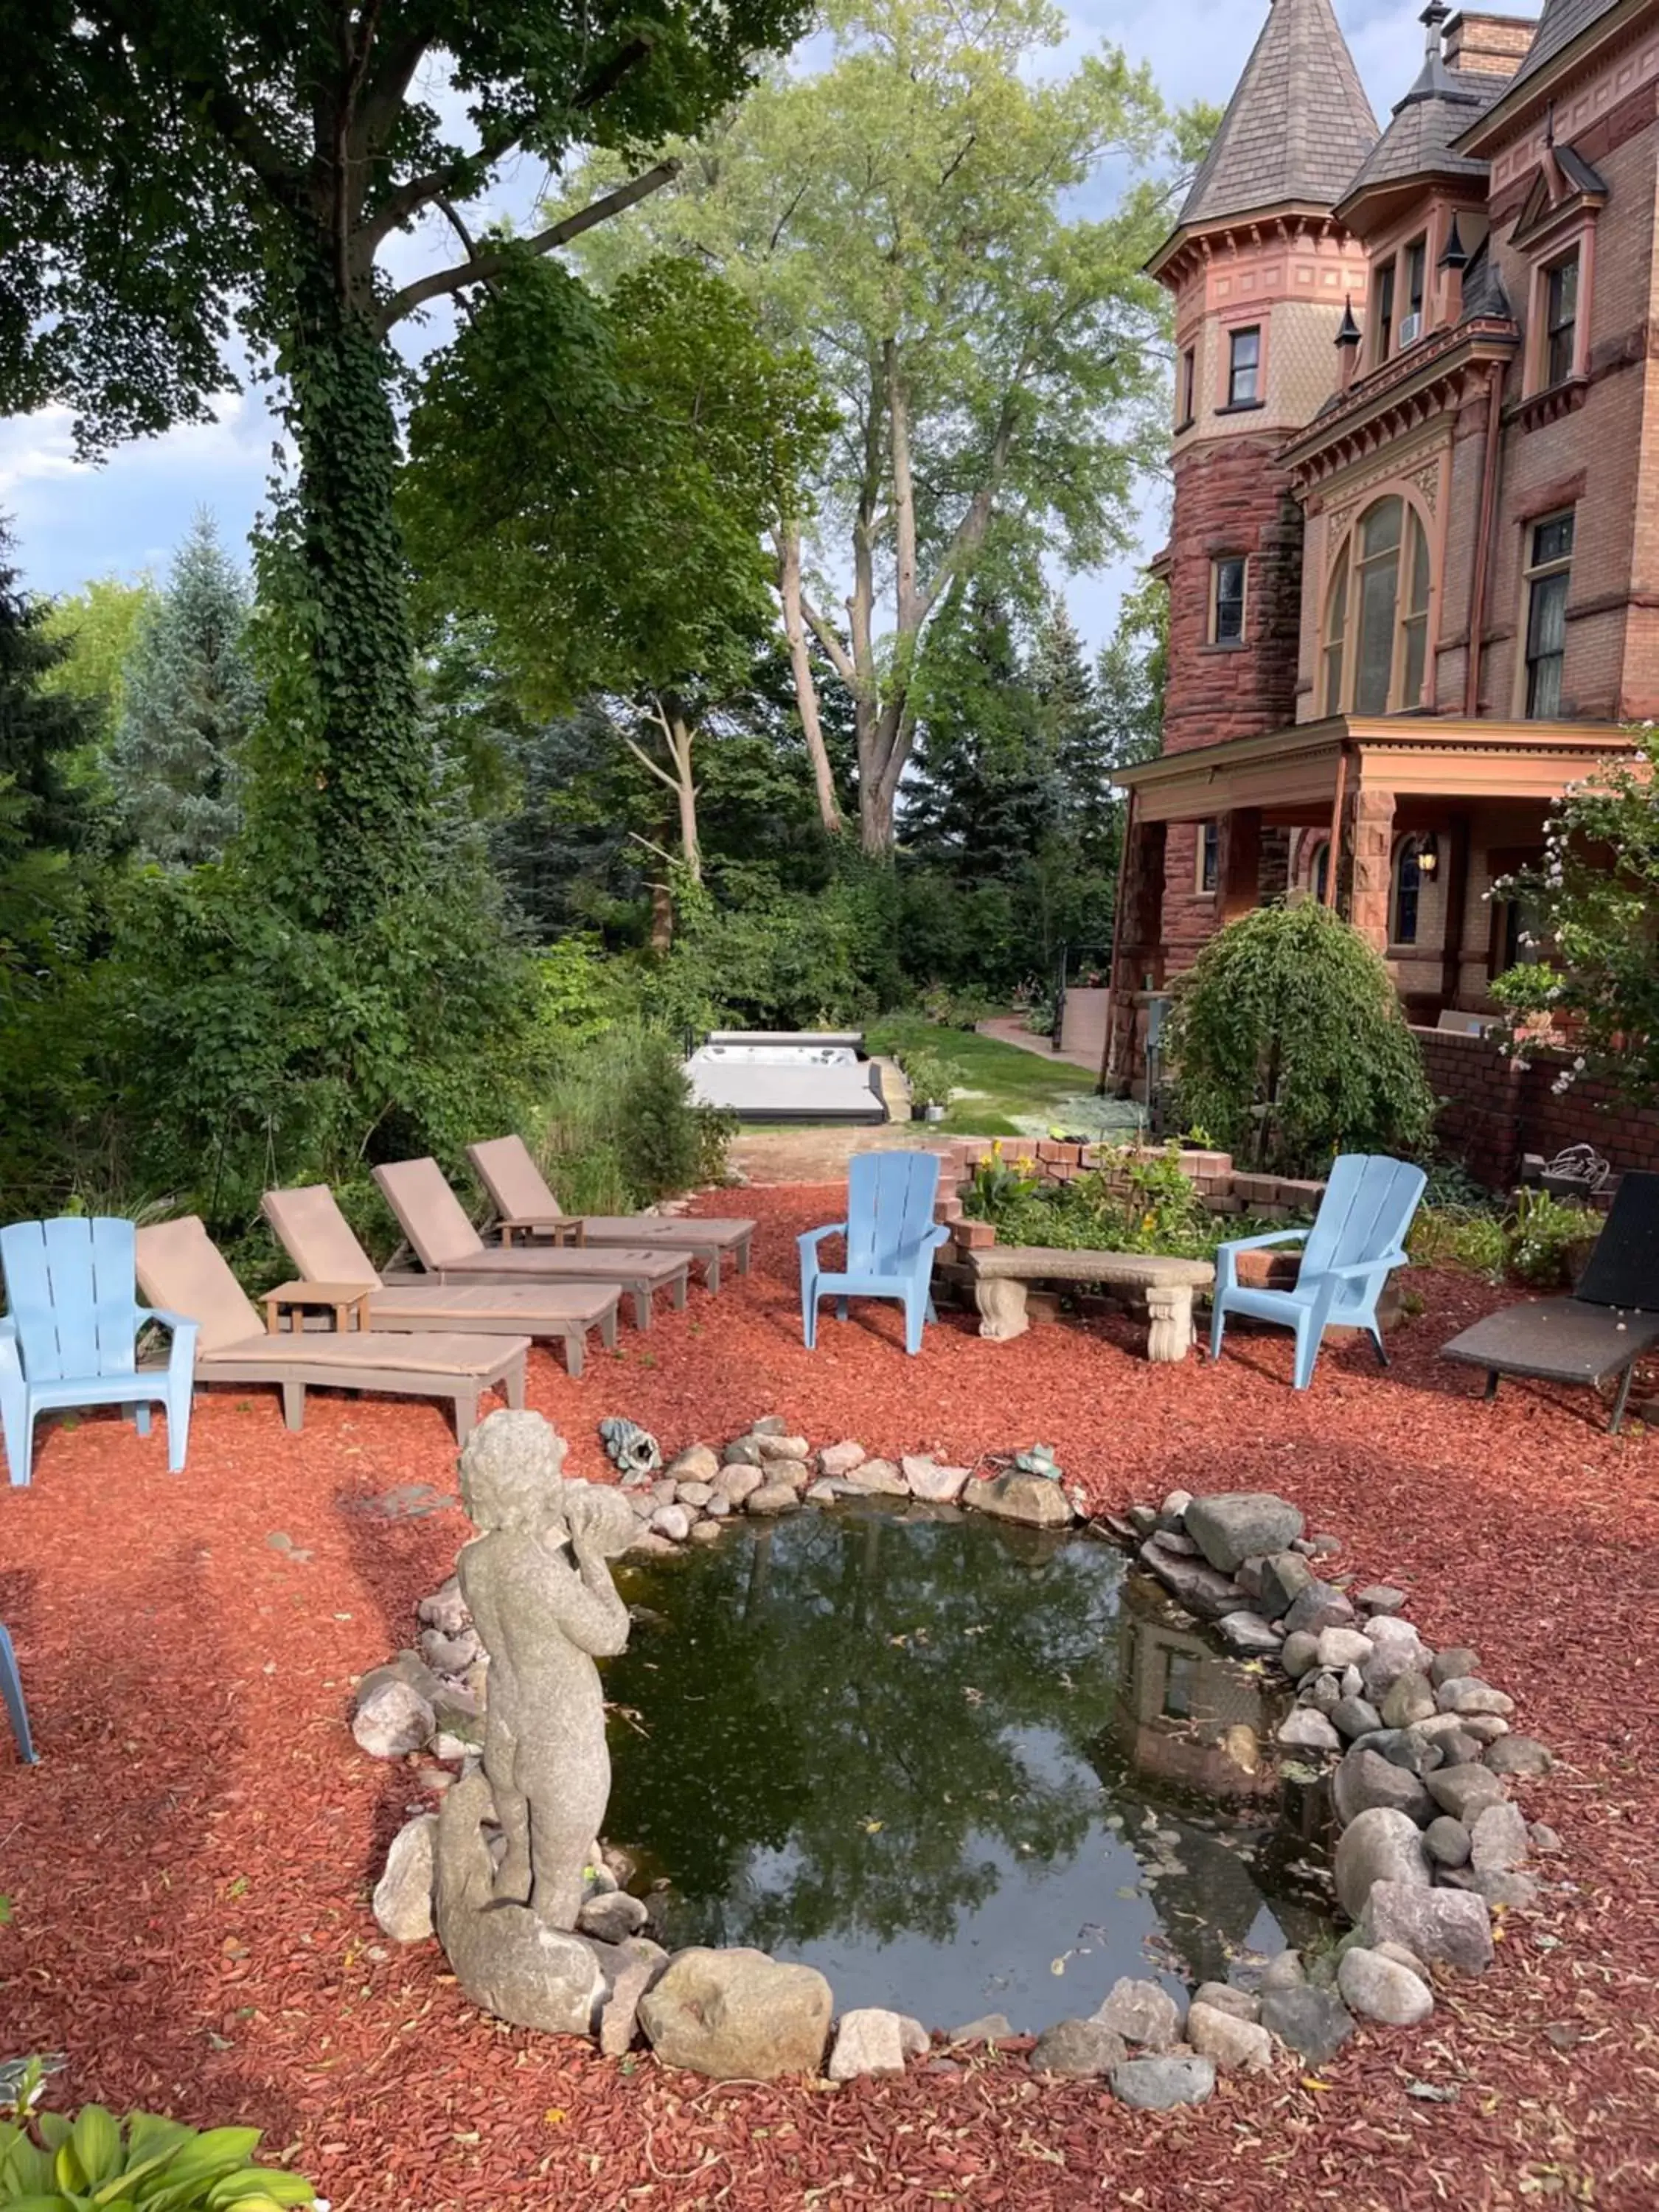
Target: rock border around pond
{"points": [[1416, 1749]]}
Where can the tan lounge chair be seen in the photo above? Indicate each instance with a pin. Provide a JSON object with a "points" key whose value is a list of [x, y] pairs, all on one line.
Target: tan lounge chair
{"points": [[527, 1209], [452, 1251], [181, 1270], [319, 1239]]}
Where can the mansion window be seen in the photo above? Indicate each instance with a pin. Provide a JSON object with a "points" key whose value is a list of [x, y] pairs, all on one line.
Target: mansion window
{"points": [[1187, 396], [1409, 871], [1414, 264], [1209, 856], [1560, 320], [1385, 310], [1549, 573], [1245, 368], [1227, 578], [1321, 875], [1376, 615]]}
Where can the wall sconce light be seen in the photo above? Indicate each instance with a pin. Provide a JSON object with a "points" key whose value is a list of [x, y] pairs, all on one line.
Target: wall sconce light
{"points": [[1428, 855]]}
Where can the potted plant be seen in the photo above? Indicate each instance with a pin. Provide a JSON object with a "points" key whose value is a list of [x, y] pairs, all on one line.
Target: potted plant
{"points": [[929, 1078]]}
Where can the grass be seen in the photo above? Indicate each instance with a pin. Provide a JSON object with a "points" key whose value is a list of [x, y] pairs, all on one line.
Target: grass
{"points": [[1006, 1080]]}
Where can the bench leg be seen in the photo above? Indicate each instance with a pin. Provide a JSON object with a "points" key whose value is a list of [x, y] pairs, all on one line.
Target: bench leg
{"points": [[1621, 1401], [1002, 1315], [608, 1329], [294, 1404], [711, 1270], [575, 1345], [1171, 1307]]}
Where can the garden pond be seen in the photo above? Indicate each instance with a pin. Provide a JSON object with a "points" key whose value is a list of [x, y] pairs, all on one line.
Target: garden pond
{"points": [[959, 1766]]}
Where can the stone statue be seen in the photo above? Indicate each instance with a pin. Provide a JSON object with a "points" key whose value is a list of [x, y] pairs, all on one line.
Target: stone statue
{"points": [[538, 1585]]}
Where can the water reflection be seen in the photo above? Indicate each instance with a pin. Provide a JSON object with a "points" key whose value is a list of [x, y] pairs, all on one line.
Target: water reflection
{"points": [[949, 1761]]}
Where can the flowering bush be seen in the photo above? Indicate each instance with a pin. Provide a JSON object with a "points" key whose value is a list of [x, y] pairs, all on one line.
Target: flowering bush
{"points": [[1596, 902]]}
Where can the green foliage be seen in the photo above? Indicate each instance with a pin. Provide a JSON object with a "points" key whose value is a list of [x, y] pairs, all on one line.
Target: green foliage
{"points": [[98, 624], [1457, 1235], [1131, 1201], [1593, 904], [1130, 675], [619, 1131], [782, 961], [189, 700], [64, 2164], [1545, 1233], [1289, 1043], [929, 1076]]}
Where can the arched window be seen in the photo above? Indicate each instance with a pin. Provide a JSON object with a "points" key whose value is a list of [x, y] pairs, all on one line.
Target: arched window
{"points": [[1407, 890], [1377, 614], [1321, 874]]}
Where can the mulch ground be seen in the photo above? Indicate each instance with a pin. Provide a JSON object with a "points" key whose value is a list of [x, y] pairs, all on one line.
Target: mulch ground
{"points": [[189, 1866]]}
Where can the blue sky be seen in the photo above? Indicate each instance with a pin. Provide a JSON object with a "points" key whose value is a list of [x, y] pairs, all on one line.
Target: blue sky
{"points": [[73, 522]]}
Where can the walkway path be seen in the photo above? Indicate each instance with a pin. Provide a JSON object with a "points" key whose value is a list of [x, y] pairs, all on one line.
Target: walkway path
{"points": [[1009, 1029]]}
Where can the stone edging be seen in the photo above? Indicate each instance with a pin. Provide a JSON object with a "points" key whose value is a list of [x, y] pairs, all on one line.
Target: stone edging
{"points": [[1418, 1748]]}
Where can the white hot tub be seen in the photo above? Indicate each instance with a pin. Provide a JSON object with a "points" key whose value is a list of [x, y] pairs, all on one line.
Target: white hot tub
{"points": [[786, 1076]]}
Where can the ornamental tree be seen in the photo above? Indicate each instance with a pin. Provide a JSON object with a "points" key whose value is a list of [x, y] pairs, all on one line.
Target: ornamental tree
{"points": [[1289, 1045], [1593, 910], [183, 181], [914, 213]]}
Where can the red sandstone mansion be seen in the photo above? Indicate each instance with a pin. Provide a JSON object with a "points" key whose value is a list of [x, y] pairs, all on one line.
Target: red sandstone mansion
{"points": [[1414, 562]]}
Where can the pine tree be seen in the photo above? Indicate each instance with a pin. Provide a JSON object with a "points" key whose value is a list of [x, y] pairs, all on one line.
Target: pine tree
{"points": [[191, 700], [1070, 712], [40, 732], [983, 796], [1130, 675]]}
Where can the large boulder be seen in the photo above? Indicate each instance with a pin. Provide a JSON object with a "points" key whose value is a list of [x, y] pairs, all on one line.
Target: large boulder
{"points": [[1467, 1694], [1499, 1841], [1032, 1499], [1379, 1989], [1247, 1636], [1140, 2012], [1200, 1588], [1313, 2023], [1449, 1927], [392, 1716], [1306, 1729], [932, 1484], [402, 1896], [1236, 2045], [1464, 1791], [696, 1463], [773, 1500], [1077, 2051], [1366, 1779], [1380, 1846], [1320, 1606], [1158, 2085], [876, 1478], [738, 2016], [1233, 1526], [1284, 1578], [837, 1461], [871, 2041]]}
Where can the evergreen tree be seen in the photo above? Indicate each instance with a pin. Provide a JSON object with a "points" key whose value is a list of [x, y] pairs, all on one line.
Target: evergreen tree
{"points": [[1070, 708], [191, 700], [1130, 675], [984, 795], [39, 730]]}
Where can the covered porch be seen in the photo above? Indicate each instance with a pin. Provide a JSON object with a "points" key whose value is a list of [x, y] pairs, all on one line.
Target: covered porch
{"points": [[1403, 825]]}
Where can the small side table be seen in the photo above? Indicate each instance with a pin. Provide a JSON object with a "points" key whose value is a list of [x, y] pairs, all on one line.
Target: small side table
{"points": [[344, 1299], [563, 1227]]}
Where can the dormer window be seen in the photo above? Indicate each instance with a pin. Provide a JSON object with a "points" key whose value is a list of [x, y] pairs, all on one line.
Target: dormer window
{"points": [[1414, 263], [1384, 311], [1561, 319]]}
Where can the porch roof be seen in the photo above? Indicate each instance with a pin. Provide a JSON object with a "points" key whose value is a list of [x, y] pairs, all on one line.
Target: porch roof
{"points": [[1294, 772]]}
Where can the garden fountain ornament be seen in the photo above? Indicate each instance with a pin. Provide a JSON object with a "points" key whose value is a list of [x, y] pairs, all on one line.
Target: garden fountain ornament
{"points": [[536, 1581], [633, 1451]]}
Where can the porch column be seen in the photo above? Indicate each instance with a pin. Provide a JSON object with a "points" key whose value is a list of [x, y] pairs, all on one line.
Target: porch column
{"points": [[1240, 863], [1373, 863], [1138, 942]]}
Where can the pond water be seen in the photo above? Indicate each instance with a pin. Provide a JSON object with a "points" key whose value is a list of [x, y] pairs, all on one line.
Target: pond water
{"points": [[959, 1766]]}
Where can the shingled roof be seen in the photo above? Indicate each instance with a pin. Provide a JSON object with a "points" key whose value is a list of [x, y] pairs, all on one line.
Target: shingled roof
{"points": [[1418, 143], [1561, 22], [1296, 128]]}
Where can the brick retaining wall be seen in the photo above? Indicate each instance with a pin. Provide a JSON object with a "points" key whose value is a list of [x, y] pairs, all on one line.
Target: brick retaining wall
{"points": [[1496, 1109]]}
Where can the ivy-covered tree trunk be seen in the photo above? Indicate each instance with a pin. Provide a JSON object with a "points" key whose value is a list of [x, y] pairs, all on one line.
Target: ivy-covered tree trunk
{"points": [[355, 775]]}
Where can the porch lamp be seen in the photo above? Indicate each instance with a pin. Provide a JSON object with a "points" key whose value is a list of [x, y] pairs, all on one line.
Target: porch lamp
{"points": [[1428, 854]]}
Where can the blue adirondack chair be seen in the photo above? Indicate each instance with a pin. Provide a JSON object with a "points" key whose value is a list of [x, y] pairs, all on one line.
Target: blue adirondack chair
{"points": [[71, 1336], [1356, 1242], [11, 1696], [892, 1237]]}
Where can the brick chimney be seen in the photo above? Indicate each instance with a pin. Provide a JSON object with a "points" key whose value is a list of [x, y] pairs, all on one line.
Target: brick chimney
{"points": [[1488, 45]]}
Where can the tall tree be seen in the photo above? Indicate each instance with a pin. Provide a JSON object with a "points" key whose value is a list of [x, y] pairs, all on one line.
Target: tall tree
{"points": [[172, 171], [97, 625], [190, 701], [912, 212], [597, 476], [1069, 706], [1129, 677]]}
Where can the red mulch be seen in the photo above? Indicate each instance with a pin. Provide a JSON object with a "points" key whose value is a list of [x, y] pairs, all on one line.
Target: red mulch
{"points": [[189, 1866]]}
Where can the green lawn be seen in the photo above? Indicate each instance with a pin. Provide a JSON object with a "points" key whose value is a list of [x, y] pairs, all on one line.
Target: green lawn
{"points": [[1005, 1080]]}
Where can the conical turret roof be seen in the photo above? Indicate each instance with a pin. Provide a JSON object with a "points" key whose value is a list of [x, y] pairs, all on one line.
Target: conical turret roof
{"points": [[1298, 128]]}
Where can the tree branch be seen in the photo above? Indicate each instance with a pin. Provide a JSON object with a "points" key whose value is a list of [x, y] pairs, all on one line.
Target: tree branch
{"points": [[437, 185], [480, 267], [646, 761], [840, 659]]}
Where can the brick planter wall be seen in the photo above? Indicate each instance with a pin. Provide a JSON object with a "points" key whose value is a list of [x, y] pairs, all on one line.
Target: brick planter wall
{"points": [[1496, 1110]]}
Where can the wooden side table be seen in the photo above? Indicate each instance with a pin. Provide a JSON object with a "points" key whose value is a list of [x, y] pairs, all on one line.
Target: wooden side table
{"points": [[344, 1299], [563, 1228]]}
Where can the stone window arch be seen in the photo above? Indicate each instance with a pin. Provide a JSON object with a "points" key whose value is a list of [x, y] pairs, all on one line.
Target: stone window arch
{"points": [[1374, 634]]}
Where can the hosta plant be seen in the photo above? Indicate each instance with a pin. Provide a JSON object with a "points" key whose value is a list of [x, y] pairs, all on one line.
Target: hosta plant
{"points": [[56, 2164]]}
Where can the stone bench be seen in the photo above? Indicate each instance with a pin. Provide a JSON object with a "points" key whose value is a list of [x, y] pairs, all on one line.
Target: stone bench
{"points": [[1001, 1274]]}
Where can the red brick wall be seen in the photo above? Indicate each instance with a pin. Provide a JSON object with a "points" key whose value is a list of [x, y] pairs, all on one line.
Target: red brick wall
{"points": [[1496, 1110], [1231, 498]]}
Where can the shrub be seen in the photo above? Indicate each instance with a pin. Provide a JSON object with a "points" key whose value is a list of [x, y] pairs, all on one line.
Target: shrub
{"points": [[930, 1076], [1454, 1235], [1289, 1043], [1544, 1232], [619, 1130], [61, 2165]]}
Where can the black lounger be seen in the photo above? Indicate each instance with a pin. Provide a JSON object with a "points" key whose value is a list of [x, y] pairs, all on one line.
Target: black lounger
{"points": [[1610, 1322]]}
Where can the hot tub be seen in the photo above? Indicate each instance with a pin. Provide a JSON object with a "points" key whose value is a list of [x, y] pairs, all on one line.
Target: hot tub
{"points": [[801, 1075]]}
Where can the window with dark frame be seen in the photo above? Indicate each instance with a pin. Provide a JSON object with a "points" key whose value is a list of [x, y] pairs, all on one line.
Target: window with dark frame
{"points": [[1209, 856], [1322, 877], [1407, 891], [1245, 368], [1385, 312], [1417, 262], [1227, 600], [1188, 386], [1560, 320], [1549, 575]]}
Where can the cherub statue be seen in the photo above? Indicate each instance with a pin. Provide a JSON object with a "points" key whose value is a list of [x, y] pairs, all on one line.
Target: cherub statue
{"points": [[539, 1589]]}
